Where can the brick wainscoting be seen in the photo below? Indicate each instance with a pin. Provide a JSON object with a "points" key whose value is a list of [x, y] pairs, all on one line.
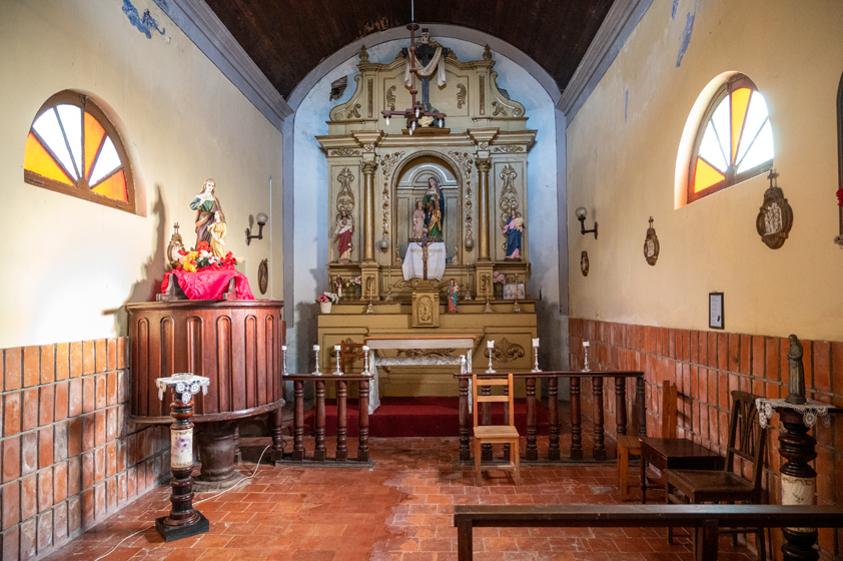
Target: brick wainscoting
{"points": [[69, 455], [706, 366]]}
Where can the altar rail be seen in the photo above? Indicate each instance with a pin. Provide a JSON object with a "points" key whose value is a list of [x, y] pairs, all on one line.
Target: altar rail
{"points": [[574, 376], [706, 519], [341, 386]]}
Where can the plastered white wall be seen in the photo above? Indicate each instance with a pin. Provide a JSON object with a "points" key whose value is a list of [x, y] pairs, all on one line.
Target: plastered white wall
{"points": [[69, 265], [622, 156]]}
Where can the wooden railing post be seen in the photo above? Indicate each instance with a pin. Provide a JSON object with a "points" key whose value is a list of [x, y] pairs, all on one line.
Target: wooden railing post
{"points": [[465, 541], [465, 453], [342, 420], [553, 414], [706, 541], [277, 420], [642, 406], [363, 422], [532, 452], [620, 404], [599, 447], [319, 452], [576, 419], [298, 422]]}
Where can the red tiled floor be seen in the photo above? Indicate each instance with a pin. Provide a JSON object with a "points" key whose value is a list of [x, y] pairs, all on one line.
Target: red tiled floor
{"points": [[400, 510]]}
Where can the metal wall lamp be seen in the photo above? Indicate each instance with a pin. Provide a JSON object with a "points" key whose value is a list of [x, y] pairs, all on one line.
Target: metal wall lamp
{"points": [[261, 220], [581, 214]]}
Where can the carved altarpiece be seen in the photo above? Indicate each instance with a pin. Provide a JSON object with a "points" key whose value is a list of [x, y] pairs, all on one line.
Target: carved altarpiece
{"points": [[478, 159]]}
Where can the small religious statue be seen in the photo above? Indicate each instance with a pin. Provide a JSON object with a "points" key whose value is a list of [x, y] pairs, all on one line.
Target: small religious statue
{"points": [[433, 204], [338, 283], [796, 380], [343, 233], [453, 296], [208, 213], [217, 234], [513, 231], [418, 222]]}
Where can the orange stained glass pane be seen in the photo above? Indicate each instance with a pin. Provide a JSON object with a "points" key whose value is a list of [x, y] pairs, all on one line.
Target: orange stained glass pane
{"points": [[705, 175], [37, 160], [94, 134], [114, 187], [740, 101]]}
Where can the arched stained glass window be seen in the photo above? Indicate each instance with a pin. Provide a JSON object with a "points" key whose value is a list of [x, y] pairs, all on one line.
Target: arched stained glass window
{"points": [[735, 140], [73, 148]]}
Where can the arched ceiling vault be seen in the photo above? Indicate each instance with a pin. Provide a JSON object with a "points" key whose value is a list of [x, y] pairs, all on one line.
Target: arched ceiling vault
{"points": [[288, 38]]}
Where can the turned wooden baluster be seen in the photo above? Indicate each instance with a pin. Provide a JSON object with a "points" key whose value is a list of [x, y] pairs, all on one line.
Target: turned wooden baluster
{"points": [[620, 404], [342, 421], [553, 414], [599, 447], [319, 453], [486, 419], [642, 406], [277, 419], [363, 422], [465, 452], [298, 422], [532, 452], [798, 448], [576, 419]]}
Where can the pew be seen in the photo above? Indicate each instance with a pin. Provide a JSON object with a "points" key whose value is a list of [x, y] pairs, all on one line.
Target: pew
{"points": [[705, 519]]}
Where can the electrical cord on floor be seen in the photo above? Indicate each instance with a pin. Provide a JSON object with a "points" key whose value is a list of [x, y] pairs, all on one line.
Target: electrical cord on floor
{"points": [[236, 485]]}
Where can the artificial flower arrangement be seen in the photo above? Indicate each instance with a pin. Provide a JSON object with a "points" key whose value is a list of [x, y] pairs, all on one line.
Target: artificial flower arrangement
{"points": [[352, 282], [201, 258], [326, 297]]}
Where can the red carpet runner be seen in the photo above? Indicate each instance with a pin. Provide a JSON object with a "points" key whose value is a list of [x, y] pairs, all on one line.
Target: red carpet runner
{"points": [[419, 416]]}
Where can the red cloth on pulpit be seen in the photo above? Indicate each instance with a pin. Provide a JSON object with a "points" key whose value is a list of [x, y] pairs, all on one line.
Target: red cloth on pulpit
{"points": [[210, 284]]}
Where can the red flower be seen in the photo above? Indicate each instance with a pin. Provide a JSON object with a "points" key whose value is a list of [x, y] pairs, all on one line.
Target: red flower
{"points": [[203, 245]]}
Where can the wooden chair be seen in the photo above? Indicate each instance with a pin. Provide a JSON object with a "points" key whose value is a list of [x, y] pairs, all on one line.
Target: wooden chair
{"points": [[747, 442], [495, 434], [629, 445]]}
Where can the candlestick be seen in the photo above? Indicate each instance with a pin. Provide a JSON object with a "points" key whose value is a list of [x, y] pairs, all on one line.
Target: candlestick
{"points": [[338, 351], [585, 346], [535, 342], [490, 347], [284, 360], [316, 359], [366, 371], [536, 355], [463, 364], [183, 520]]}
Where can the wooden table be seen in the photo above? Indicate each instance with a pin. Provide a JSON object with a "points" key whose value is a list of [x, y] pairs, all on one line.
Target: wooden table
{"points": [[675, 453]]}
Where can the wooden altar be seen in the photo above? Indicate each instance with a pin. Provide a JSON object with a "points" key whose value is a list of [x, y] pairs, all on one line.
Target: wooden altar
{"points": [[381, 181]]}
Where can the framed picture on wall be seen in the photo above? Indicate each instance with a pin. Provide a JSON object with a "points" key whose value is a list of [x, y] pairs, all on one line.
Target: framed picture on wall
{"points": [[716, 318]]}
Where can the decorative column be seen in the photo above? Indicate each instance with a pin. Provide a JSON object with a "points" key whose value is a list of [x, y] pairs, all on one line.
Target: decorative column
{"points": [[183, 520], [483, 167], [369, 167]]}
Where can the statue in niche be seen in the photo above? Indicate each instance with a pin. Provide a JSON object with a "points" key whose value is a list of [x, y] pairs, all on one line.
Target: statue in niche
{"points": [[433, 204], [513, 231], [453, 296], [208, 213], [343, 233], [429, 59], [419, 228]]}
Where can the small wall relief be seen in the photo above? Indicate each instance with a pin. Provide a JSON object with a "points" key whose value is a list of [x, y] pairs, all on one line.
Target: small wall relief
{"points": [[775, 217], [584, 263], [651, 245]]}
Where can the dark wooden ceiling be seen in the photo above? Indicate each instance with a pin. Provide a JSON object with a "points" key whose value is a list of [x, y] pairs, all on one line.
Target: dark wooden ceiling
{"points": [[288, 38]]}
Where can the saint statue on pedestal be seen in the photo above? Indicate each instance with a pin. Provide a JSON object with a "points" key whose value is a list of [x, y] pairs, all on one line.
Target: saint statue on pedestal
{"points": [[343, 233], [433, 204], [208, 213], [513, 231]]}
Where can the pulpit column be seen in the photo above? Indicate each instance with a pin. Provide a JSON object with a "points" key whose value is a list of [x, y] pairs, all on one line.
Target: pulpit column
{"points": [[369, 168], [483, 167]]}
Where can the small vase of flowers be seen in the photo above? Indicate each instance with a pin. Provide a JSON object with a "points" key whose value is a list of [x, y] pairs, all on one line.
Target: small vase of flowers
{"points": [[326, 301]]}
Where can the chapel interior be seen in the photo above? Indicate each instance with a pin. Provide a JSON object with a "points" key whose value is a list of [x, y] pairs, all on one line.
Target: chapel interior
{"points": [[340, 281]]}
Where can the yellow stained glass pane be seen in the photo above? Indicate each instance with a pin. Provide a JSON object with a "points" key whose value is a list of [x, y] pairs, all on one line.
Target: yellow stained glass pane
{"points": [[740, 101], [114, 187], [37, 160], [705, 176], [94, 133]]}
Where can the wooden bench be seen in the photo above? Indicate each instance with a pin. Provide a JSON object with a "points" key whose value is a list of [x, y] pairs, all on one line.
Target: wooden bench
{"points": [[706, 519]]}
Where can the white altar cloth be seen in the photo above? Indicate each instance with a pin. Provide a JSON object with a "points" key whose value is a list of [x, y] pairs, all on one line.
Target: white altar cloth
{"points": [[410, 343], [413, 266]]}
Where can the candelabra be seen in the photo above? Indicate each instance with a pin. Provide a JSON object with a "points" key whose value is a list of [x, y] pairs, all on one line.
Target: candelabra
{"points": [[183, 520], [366, 359], [490, 348], [316, 370], [338, 353], [536, 355]]}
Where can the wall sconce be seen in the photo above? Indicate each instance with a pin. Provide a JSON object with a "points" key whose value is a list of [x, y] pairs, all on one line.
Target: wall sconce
{"points": [[581, 214], [262, 220]]}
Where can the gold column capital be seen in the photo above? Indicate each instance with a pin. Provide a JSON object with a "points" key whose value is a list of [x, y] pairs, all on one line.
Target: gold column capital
{"points": [[369, 167], [483, 164]]}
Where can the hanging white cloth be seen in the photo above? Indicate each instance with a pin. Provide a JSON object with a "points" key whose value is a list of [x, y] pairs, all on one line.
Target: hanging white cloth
{"points": [[436, 64]]}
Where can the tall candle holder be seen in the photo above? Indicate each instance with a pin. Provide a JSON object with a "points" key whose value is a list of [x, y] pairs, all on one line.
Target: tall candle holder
{"points": [[316, 370], [536, 355], [463, 364], [183, 520], [585, 365], [366, 361], [338, 353], [284, 371], [490, 348]]}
